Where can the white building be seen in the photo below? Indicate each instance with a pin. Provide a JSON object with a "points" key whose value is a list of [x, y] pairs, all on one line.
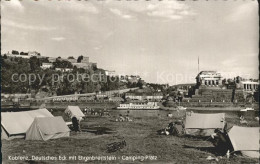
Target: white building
{"points": [[249, 85], [18, 56], [64, 69], [209, 79], [33, 53], [81, 65], [85, 59], [110, 73], [46, 65]]}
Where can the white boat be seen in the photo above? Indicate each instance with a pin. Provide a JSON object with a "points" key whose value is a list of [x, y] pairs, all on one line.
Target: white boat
{"points": [[181, 108], [247, 109], [139, 105]]}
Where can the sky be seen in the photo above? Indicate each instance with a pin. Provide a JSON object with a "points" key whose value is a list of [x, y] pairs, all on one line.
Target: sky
{"points": [[159, 40]]}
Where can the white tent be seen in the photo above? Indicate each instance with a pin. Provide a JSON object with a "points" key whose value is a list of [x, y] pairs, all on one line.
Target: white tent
{"points": [[15, 124], [45, 128], [246, 140], [74, 111], [203, 124]]}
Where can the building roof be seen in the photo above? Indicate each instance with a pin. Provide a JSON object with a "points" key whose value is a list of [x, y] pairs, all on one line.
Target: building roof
{"points": [[74, 111], [208, 73], [244, 138], [204, 121], [249, 82]]}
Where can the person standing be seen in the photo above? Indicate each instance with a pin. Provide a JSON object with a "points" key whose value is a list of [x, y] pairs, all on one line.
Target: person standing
{"points": [[75, 124]]}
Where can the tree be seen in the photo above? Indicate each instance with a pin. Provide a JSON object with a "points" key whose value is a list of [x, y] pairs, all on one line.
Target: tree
{"points": [[14, 52], [71, 57], [5, 56], [34, 63], [140, 84], [79, 59], [62, 64]]}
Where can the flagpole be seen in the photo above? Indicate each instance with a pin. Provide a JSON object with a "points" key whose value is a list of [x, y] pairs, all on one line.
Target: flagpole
{"points": [[198, 64]]}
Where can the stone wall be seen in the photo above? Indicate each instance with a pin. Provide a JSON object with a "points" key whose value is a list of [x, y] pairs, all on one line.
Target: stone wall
{"points": [[212, 95], [239, 96]]}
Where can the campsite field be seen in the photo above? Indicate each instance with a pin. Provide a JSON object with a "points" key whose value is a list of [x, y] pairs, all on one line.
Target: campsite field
{"points": [[141, 140]]}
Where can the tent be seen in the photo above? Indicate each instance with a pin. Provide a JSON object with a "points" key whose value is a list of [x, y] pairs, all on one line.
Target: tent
{"points": [[246, 140], [74, 111], [45, 128], [203, 124], [15, 124]]}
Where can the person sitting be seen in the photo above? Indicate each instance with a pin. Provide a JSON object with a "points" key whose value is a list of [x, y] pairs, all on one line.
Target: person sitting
{"points": [[222, 142], [86, 111], [243, 121]]}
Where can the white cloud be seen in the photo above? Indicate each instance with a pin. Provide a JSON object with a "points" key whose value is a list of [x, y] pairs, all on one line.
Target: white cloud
{"points": [[71, 6], [10, 23], [79, 7], [58, 39], [120, 13], [244, 12], [13, 4], [168, 9], [98, 47]]}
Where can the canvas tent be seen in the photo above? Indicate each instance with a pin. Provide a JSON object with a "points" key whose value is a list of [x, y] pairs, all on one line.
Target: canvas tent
{"points": [[45, 128], [246, 140], [203, 124], [15, 124], [74, 111]]}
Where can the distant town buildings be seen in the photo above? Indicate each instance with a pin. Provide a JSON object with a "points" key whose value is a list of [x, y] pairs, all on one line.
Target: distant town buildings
{"points": [[184, 88], [26, 55], [83, 63]]}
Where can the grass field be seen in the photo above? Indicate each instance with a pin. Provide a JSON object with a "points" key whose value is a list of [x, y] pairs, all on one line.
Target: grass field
{"points": [[141, 140]]}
